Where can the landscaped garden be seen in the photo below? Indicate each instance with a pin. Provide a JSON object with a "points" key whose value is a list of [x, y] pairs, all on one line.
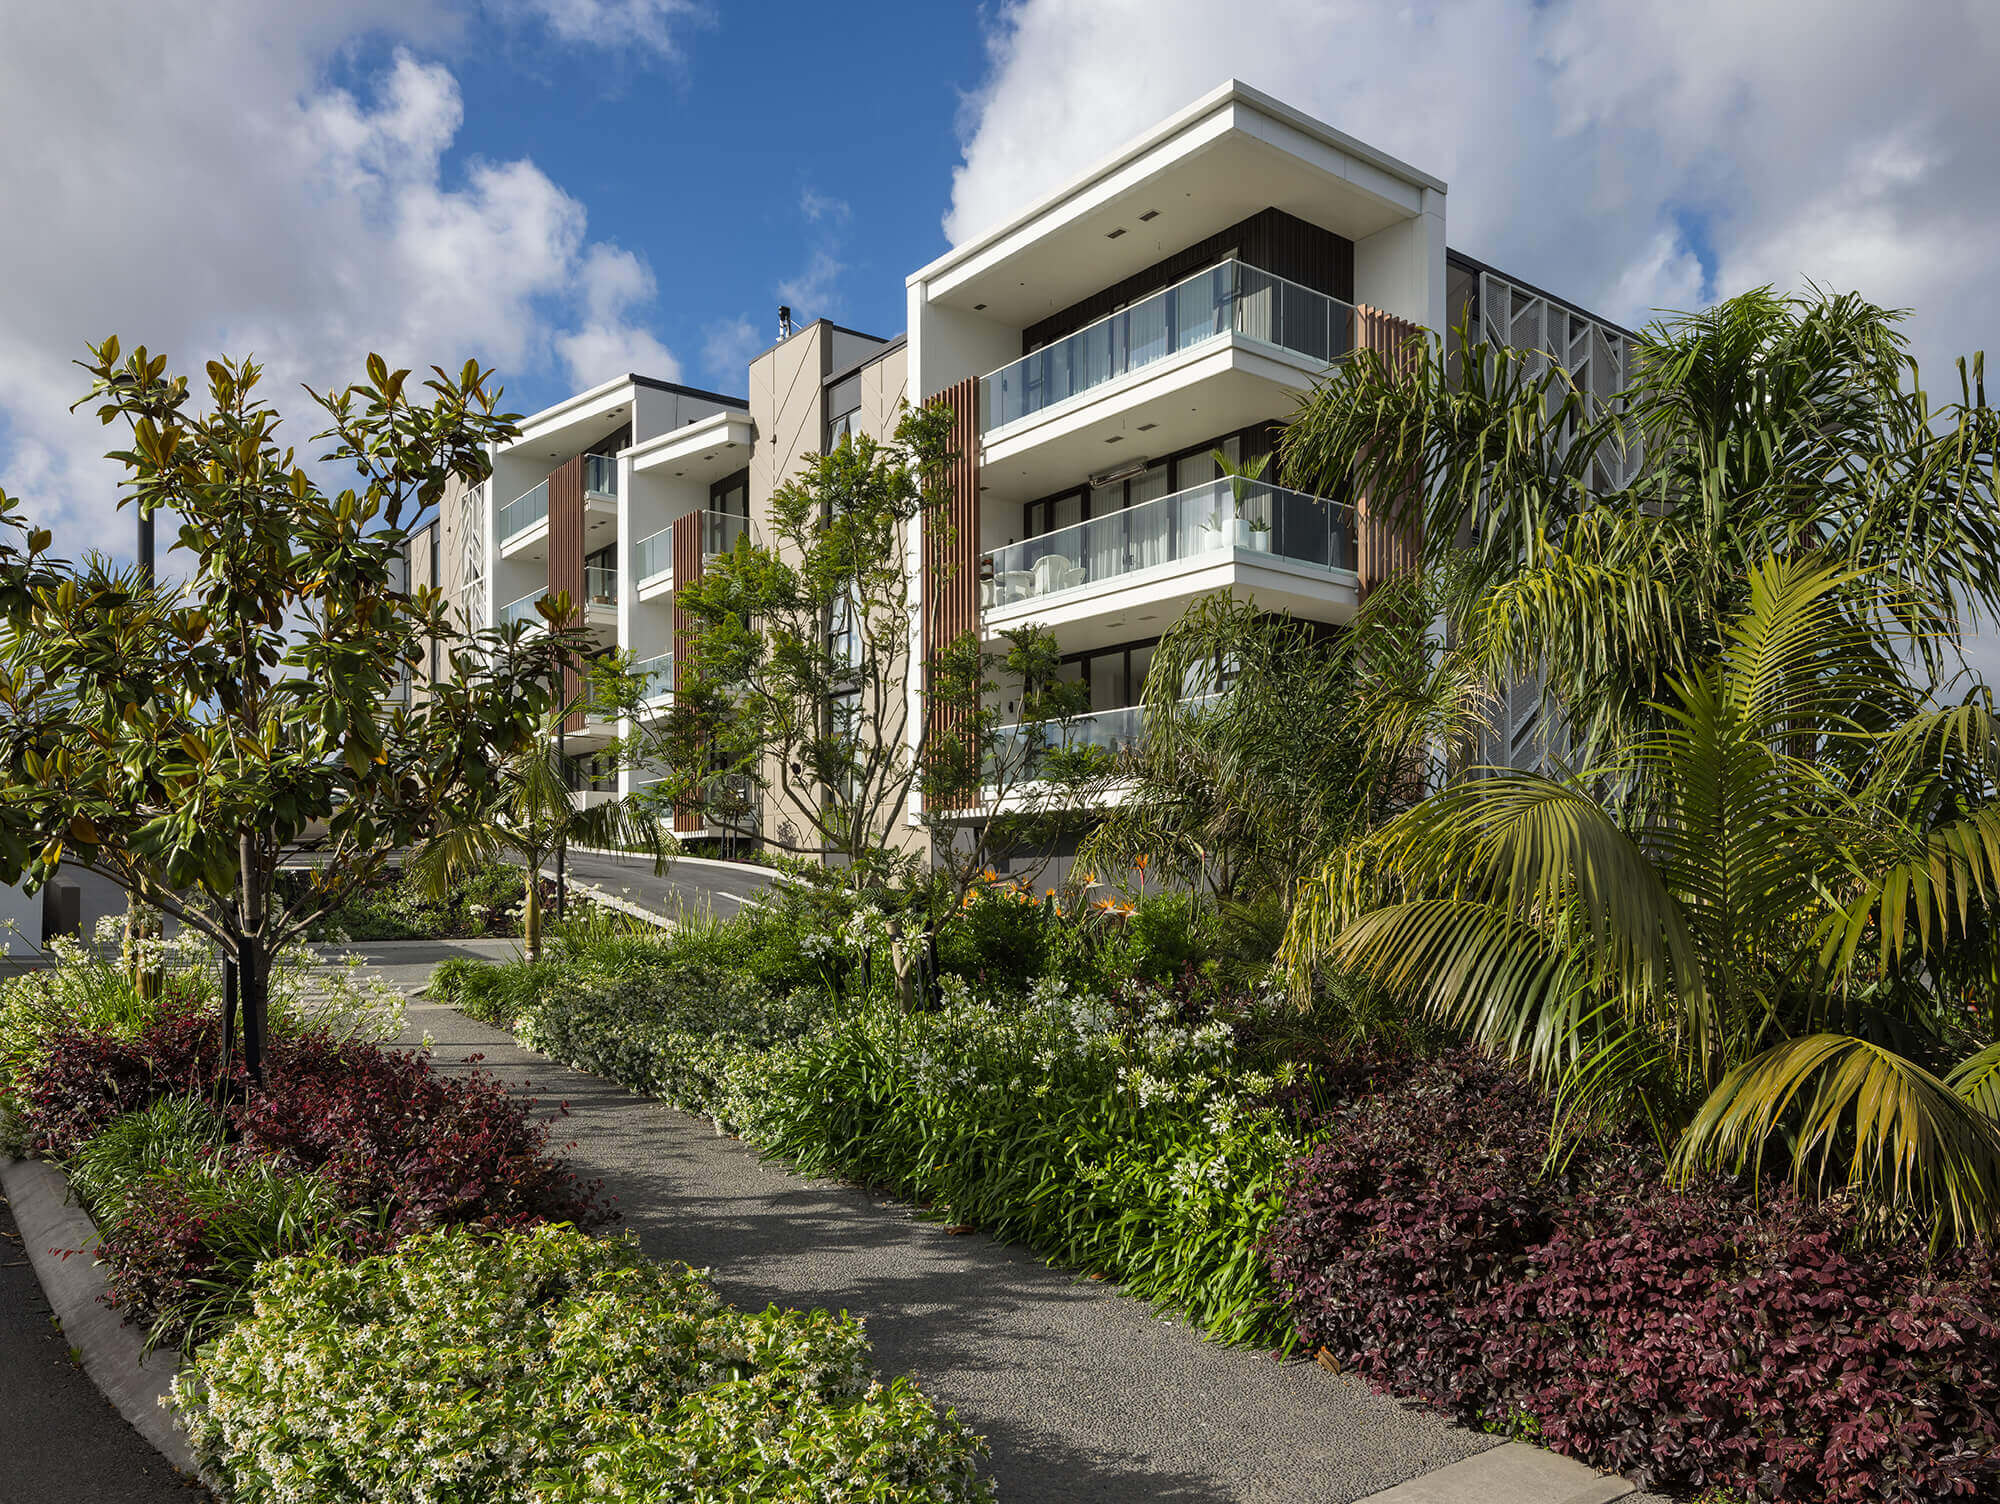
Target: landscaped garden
{"points": [[386, 1284], [1623, 1077]]}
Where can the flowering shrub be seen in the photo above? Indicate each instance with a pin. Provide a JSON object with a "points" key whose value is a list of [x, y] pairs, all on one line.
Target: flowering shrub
{"points": [[1695, 1338], [1128, 1139], [1137, 1147], [552, 1366]]}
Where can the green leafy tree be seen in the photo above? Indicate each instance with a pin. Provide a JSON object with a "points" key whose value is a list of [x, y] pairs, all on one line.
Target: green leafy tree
{"points": [[1251, 767], [1004, 781], [1604, 542], [1766, 922], [798, 681], [187, 740], [534, 812]]}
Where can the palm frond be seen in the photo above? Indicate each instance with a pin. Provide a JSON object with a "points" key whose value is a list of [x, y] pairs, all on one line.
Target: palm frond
{"points": [[1847, 1110]]}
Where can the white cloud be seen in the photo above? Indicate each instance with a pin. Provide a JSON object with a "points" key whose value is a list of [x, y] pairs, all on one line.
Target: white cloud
{"points": [[651, 24], [1629, 156], [210, 192], [726, 349], [614, 282], [814, 290], [811, 292], [823, 208]]}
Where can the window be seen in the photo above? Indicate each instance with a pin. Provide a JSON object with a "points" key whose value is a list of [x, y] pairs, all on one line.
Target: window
{"points": [[728, 513], [843, 411]]}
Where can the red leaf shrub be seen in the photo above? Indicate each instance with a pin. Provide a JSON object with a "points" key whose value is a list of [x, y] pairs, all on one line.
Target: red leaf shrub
{"points": [[429, 1150], [89, 1077], [1691, 1338], [392, 1134]]}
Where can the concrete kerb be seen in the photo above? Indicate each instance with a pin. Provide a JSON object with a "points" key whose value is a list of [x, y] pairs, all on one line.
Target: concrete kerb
{"points": [[59, 1237]]}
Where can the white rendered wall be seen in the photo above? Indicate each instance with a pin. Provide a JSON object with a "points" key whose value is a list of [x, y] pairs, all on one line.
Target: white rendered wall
{"points": [[1401, 269]]}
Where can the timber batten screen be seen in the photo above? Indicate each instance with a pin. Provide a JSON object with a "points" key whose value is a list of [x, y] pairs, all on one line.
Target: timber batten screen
{"points": [[950, 586]]}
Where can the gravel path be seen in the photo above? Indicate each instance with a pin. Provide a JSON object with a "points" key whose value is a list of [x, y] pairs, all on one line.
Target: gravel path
{"points": [[1084, 1394]]}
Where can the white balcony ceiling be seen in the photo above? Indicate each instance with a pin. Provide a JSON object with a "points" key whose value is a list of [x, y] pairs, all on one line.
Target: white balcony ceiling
{"points": [[1216, 164], [1212, 388]]}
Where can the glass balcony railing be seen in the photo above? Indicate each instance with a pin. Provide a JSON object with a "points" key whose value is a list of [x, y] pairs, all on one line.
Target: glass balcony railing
{"points": [[653, 556], [522, 610], [720, 532], [656, 674], [523, 512], [1202, 522], [1232, 298], [1116, 731], [600, 475], [600, 585]]}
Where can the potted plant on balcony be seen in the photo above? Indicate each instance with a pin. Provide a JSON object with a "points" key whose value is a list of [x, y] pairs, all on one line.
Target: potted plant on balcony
{"points": [[1239, 530]]}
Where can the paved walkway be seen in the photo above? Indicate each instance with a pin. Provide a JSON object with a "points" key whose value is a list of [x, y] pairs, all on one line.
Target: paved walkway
{"points": [[1084, 1394]]}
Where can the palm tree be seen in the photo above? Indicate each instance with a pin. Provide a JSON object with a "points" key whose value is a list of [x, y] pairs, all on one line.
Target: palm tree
{"points": [[536, 812], [1766, 922], [1604, 541]]}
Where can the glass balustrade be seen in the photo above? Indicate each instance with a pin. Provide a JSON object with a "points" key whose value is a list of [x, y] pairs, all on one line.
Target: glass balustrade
{"points": [[523, 512], [653, 556], [1116, 732], [600, 585], [656, 675], [1202, 522], [522, 610], [1231, 298], [600, 474], [720, 532]]}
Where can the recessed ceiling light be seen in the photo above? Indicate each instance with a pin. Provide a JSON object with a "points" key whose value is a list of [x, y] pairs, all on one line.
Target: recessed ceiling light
{"points": [[1147, 427], [1116, 438], [978, 307], [1149, 214], [1114, 234]]}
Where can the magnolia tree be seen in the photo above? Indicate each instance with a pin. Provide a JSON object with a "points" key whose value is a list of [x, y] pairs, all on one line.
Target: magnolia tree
{"points": [[187, 740]]}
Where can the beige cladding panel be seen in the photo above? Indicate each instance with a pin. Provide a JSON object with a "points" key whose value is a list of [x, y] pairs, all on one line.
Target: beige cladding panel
{"points": [[786, 404], [884, 386]]}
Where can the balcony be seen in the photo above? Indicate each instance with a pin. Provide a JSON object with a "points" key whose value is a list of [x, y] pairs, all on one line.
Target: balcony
{"points": [[656, 676], [522, 513], [652, 560], [522, 610], [1170, 541], [1232, 298], [721, 531], [600, 587], [600, 475]]}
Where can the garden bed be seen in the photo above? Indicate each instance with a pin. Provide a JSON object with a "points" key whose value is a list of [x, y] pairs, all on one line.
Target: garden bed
{"points": [[386, 1286], [1391, 1208]]}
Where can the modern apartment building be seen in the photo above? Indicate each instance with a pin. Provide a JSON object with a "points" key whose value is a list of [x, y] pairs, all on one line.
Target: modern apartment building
{"points": [[1099, 352]]}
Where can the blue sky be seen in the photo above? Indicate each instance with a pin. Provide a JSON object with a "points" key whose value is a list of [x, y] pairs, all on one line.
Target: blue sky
{"points": [[708, 165]]}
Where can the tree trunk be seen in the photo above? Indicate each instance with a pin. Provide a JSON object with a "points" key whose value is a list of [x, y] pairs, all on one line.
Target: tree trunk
{"points": [[531, 915], [229, 974], [253, 980]]}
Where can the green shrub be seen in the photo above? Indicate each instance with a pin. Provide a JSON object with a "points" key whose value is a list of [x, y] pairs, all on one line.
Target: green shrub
{"points": [[1143, 1153], [1122, 1140], [552, 1366], [169, 1138]]}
